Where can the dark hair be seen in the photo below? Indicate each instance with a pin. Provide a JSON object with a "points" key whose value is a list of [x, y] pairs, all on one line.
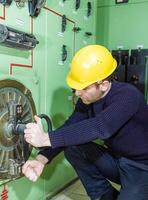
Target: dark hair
{"points": [[110, 78]]}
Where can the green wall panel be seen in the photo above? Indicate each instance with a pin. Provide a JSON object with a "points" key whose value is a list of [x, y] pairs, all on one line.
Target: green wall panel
{"points": [[122, 24], [112, 2], [59, 91], [45, 78]]}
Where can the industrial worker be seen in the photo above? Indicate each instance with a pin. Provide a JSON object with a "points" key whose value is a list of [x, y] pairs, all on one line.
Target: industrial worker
{"points": [[112, 111]]}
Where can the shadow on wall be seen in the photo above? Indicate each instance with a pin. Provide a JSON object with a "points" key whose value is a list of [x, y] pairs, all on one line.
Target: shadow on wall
{"points": [[61, 106]]}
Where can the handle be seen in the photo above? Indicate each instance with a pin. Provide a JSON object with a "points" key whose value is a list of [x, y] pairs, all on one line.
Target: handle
{"points": [[64, 53], [48, 120], [19, 128]]}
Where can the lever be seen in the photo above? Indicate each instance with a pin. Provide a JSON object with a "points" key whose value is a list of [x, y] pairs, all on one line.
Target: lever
{"points": [[64, 53], [77, 6], [19, 128], [89, 9], [64, 23]]}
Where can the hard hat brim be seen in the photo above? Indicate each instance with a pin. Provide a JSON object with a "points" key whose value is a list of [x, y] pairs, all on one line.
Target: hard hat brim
{"points": [[76, 85], [80, 86]]}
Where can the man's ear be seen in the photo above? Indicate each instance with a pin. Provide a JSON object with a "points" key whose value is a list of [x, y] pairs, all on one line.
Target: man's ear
{"points": [[104, 86]]}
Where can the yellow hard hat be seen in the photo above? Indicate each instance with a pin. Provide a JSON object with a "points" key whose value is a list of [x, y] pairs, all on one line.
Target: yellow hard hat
{"points": [[90, 64]]}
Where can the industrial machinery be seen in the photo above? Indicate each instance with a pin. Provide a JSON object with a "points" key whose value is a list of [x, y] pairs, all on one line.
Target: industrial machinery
{"points": [[16, 110], [61, 27], [35, 7], [131, 67], [16, 39], [6, 2], [16, 106]]}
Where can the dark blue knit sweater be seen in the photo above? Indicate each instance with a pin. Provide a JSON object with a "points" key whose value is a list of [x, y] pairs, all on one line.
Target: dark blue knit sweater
{"points": [[120, 119]]}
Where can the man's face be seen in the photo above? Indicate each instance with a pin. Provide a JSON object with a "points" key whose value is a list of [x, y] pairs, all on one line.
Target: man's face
{"points": [[90, 94]]}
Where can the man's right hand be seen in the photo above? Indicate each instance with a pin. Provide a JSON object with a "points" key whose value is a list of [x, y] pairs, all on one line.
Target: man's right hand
{"points": [[32, 169]]}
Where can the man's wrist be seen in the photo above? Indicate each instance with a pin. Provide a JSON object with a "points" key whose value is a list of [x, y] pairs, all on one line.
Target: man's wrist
{"points": [[42, 159], [46, 140]]}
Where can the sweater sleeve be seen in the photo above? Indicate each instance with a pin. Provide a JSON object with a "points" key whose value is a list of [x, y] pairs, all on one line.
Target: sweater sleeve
{"points": [[121, 107], [50, 153], [79, 114]]}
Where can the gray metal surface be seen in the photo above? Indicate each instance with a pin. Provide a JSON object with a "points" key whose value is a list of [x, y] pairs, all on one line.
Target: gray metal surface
{"points": [[13, 149]]}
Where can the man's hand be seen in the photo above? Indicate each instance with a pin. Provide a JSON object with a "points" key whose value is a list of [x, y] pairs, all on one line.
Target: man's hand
{"points": [[32, 169], [35, 135]]}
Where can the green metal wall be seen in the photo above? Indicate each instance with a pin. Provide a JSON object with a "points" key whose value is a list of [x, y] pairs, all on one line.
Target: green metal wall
{"points": [[122, 25], [43, 73]]}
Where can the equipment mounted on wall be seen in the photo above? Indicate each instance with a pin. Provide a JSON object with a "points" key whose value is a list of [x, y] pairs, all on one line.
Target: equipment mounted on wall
{"points": [[35, 7], [121, 1], [16, 113], [77, 4], [6, 2], [76, 29], [16, 39], [20, 3], [88, 34], [64, 23], [64, 53], [11, 142], [89, 8]]}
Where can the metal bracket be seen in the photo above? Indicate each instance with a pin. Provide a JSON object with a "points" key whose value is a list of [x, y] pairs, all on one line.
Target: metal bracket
{"points": [[77, 6], [89, 8], [35, 7], [16, 39], [76, 29], [6, 2], [121, 1], [20, 3], [88, 34], [64, 53], [64, 23]]}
